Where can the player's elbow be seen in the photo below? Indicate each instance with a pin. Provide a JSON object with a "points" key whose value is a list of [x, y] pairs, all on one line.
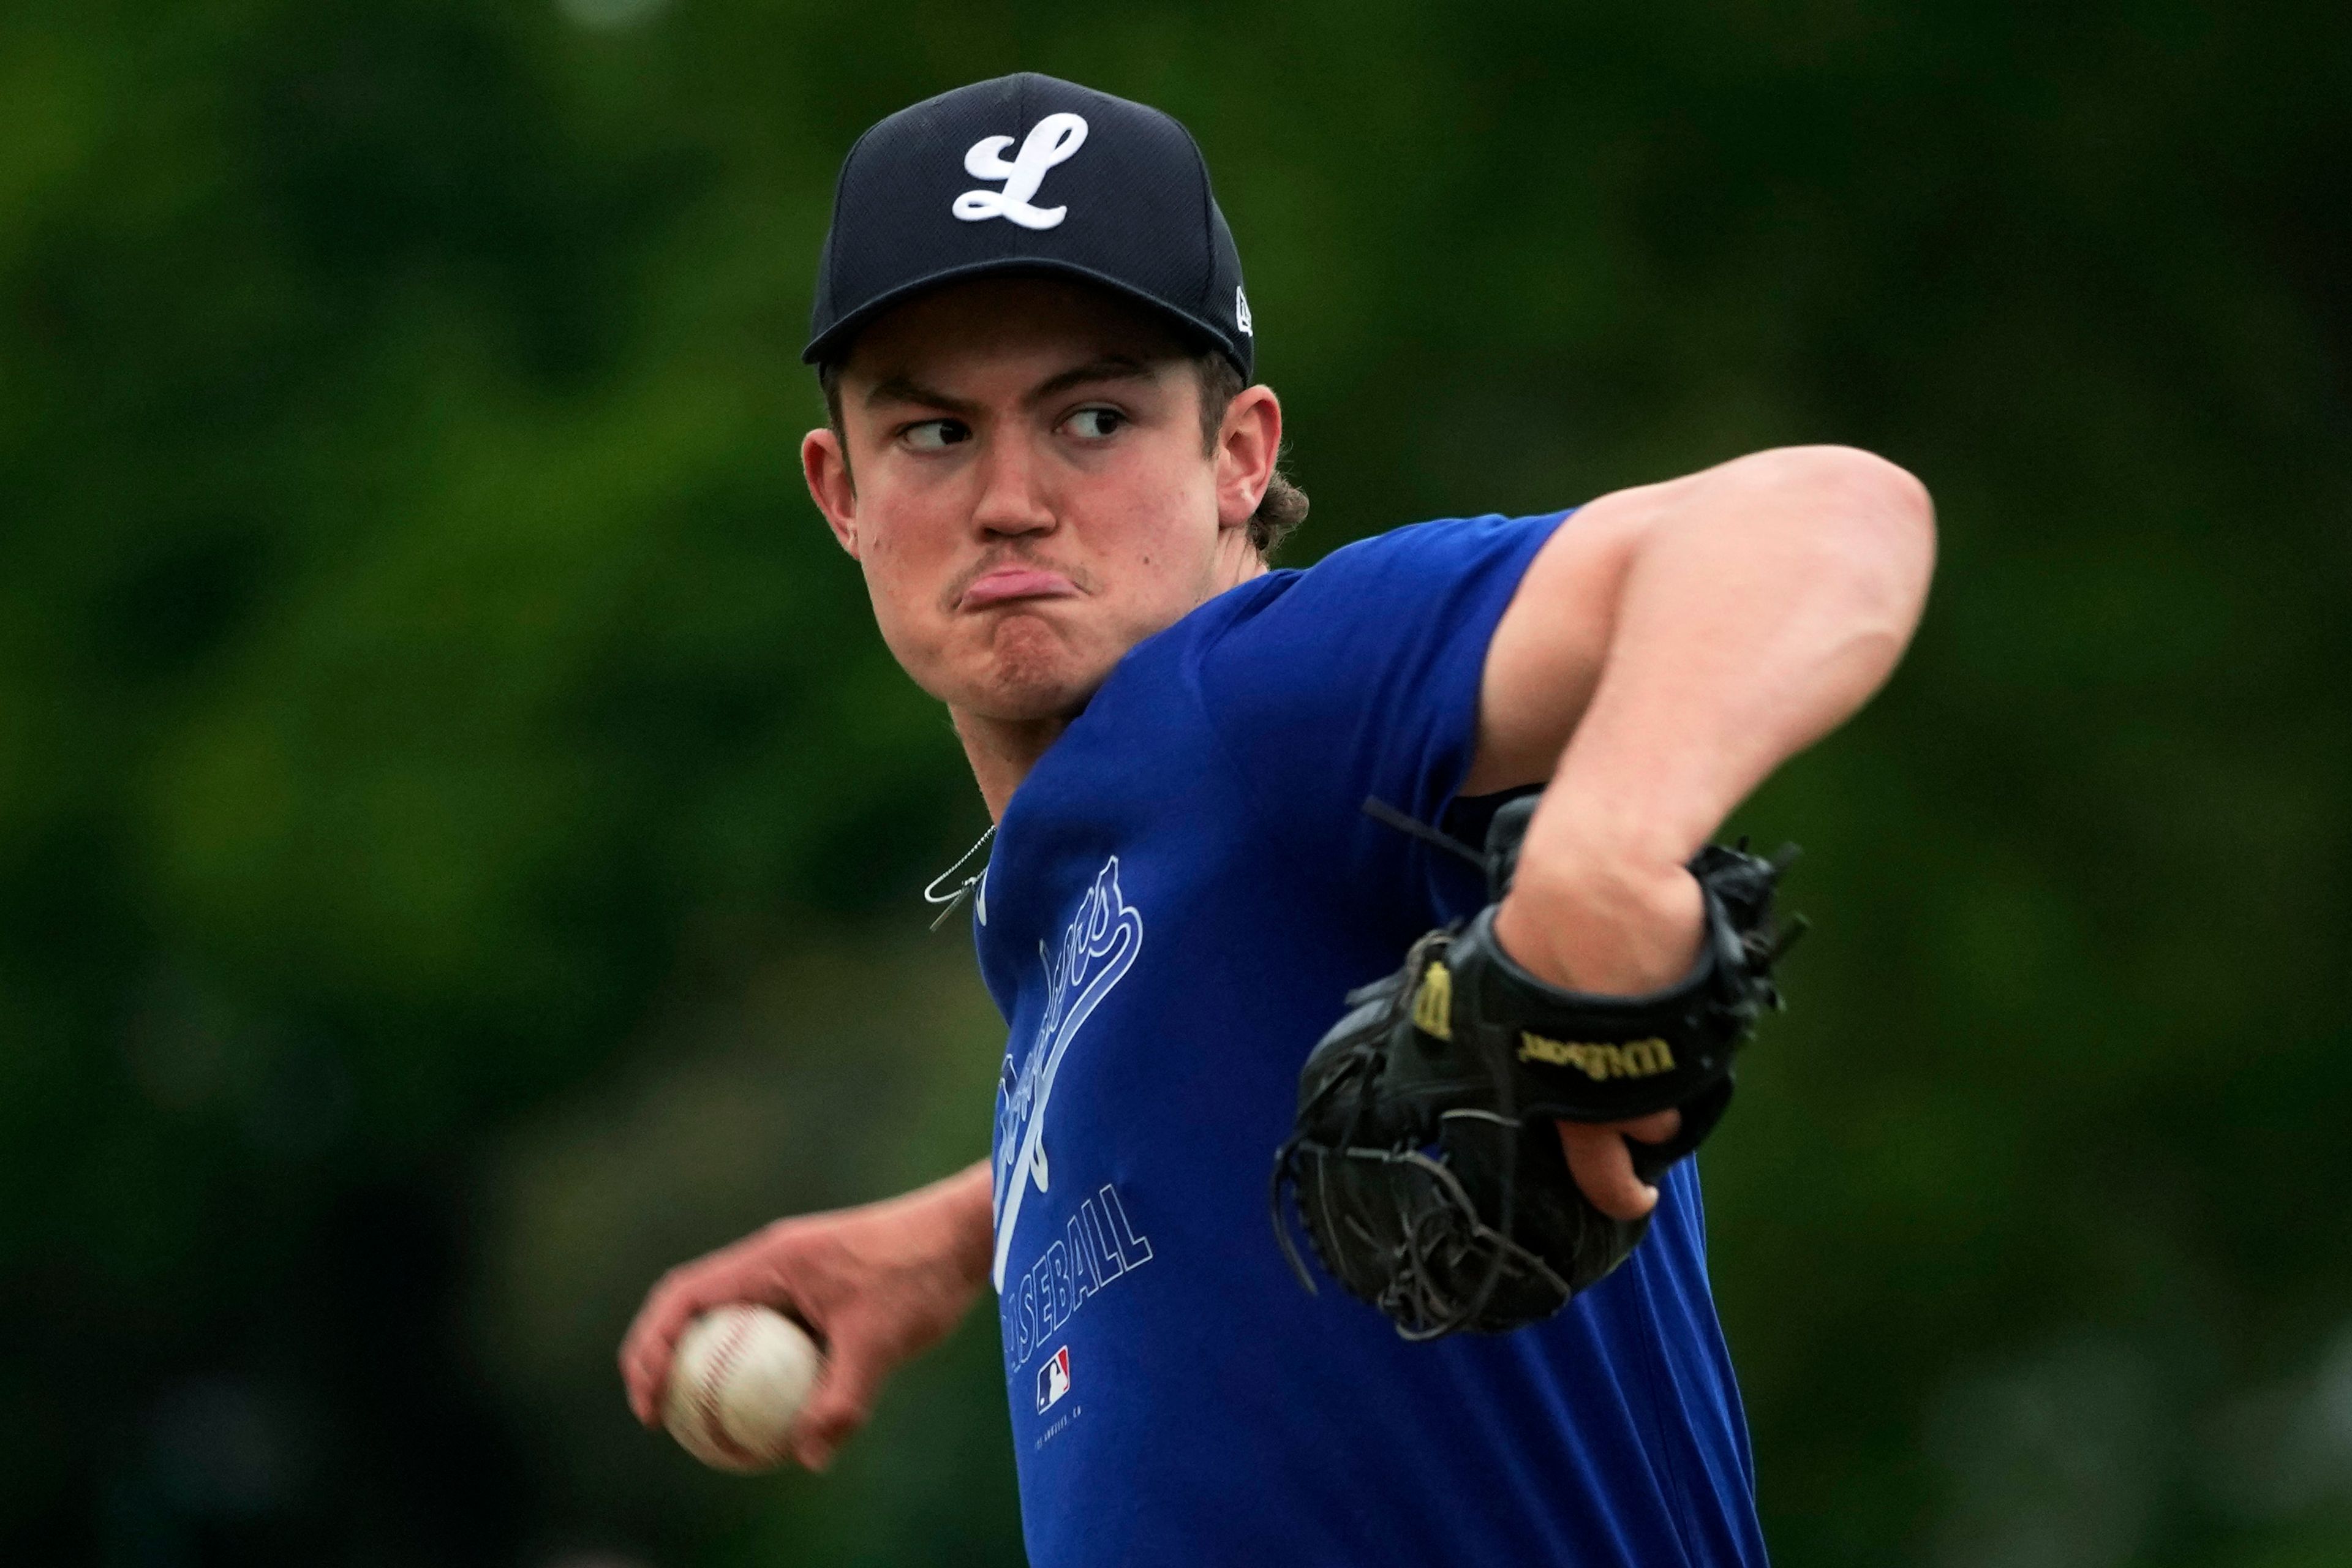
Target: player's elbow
{"points": [[1852, 489], [1870, 524]]}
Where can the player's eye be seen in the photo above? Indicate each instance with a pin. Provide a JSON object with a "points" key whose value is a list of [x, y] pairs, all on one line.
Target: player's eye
{"points": [[1095, 424], [935, 435]]}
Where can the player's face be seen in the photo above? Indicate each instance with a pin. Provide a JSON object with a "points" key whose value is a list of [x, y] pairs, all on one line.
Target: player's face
{"points": [[1025, 488]]}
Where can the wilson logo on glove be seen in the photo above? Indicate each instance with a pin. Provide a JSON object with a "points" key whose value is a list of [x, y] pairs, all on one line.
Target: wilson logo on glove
{"points": [[1635, 1058]]}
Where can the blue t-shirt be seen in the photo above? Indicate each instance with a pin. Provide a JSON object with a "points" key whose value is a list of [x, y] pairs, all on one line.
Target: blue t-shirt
{"points": [[1181, 891]]}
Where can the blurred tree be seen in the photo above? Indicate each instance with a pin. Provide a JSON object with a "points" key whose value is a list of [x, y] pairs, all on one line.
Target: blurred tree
{"points": [[430, 719]]}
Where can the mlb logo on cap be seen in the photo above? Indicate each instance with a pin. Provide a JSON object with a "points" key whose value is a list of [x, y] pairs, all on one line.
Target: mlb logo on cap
{"points": [[1054, 1380]]}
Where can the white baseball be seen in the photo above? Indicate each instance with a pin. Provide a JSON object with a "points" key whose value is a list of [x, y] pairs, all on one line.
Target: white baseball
{"points": [[740, 1374]]}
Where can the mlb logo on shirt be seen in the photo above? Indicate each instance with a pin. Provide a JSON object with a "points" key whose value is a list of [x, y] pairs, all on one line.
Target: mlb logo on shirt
{"points": [[1052, 1380]]}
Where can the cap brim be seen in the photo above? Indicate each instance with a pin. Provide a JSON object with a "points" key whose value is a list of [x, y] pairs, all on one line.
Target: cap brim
{"points": [[833, 343]]}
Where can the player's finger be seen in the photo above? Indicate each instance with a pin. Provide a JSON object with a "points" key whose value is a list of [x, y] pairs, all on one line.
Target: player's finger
{"points": [[643, 1358], [652, 1340], [645, 1371], [1603, 1169], [1655, 1128], [839, 1403]]}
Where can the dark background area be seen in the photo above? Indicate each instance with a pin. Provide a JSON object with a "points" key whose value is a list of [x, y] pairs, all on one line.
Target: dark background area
{"points": [[459, 833]]}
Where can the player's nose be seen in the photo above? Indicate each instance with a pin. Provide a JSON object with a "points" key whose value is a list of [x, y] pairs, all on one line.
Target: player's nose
{"points": [[1011, 503]]}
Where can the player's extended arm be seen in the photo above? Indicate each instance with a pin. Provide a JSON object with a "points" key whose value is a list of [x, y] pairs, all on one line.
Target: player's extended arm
{"points": [[877, 1284], [1667, 649]]}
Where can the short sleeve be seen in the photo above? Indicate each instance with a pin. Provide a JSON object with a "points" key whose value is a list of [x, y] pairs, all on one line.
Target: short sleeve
{"points": [[1360, 676]]}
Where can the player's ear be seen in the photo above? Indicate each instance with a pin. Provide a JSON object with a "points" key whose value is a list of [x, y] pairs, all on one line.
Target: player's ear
{"points": [[1248, 445], [826, 465]]}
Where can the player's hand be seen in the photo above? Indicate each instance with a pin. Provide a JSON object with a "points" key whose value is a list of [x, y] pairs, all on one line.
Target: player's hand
{"points": [[1587, 922], [876, 1285], [1603, 1166]]}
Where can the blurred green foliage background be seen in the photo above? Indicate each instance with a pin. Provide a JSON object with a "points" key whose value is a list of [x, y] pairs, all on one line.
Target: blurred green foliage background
{"points": [[459, 832]]}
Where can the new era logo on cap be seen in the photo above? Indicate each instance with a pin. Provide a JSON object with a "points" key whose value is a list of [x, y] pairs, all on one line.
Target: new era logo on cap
{"points": [[1086, 185]]}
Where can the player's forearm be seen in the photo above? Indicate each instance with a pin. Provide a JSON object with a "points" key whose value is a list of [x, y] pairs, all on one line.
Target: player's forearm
{"points": [[1762, 606], [966, 1217], [1759, 606]]}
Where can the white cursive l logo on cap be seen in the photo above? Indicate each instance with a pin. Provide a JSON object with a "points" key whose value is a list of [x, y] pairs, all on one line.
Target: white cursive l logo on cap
{"points": [[1050, 142]]}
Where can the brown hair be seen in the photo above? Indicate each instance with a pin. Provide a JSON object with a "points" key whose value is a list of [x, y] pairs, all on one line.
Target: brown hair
{"points": [[1283, 506]]}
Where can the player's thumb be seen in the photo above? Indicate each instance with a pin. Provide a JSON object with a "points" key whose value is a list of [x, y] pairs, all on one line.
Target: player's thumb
{"points": [[1603, 1168], [839, 1405]]}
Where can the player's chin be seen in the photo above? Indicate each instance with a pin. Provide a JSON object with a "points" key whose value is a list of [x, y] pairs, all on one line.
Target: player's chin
{"points": [[1023, 697], [1035, 670]]}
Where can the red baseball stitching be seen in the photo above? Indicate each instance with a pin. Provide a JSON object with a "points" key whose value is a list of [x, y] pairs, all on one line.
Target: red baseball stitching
{"points": [[706, 1392]]}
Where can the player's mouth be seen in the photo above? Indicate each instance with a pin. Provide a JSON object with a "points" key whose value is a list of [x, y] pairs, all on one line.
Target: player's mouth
{"points": [[1006, 584]]}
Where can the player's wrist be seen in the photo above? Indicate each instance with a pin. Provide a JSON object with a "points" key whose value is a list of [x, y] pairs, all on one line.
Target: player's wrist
{"points": [[1611, 926], [1605, 835], [961, 1219]]}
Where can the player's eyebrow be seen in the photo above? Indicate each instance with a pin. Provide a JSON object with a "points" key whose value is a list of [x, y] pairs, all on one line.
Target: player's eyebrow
{"points": [[906, 389], [1109, 367]]}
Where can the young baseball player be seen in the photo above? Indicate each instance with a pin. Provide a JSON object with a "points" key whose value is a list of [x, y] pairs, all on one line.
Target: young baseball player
{"points": [[1047, 457]]}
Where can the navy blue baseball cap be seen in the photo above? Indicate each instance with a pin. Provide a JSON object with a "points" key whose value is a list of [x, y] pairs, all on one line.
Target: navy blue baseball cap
{"points": [[1030, 175]]}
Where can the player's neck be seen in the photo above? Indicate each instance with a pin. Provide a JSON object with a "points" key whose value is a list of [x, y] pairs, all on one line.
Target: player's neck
{"points": [[1002, 751]]}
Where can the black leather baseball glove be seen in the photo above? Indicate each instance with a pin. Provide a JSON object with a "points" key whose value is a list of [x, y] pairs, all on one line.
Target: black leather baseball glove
{"points": [[1424, 1163]]}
